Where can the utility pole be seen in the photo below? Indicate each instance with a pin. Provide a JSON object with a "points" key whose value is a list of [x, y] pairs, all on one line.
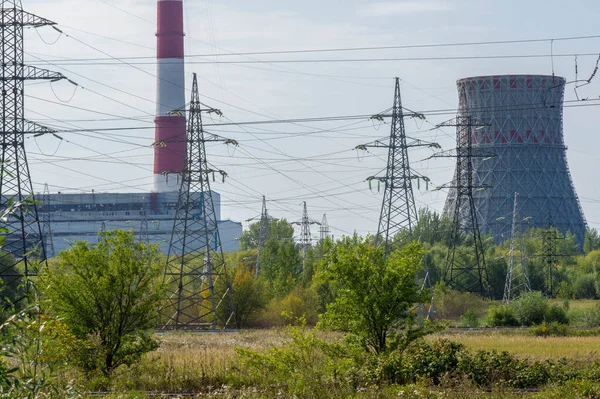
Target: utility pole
{"points": [[263, 234], [198, 291], [47, 224], [324, 229], [144, 237], [24, 245], [516, 277], [465, 270], [398, 216]]}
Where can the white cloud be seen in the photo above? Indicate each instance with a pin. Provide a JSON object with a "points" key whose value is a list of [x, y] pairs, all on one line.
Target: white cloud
{"points": [[386, 8]]}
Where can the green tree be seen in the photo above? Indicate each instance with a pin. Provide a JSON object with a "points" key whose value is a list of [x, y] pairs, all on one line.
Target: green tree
{"points": [[278, 229], [374, 293], [107, 294]]}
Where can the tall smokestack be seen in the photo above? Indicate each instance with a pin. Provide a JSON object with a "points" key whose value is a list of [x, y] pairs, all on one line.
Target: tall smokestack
{"points": [[170, 134]]}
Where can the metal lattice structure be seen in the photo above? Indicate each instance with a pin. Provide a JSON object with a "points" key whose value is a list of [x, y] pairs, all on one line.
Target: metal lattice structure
{"points": [[525, 142], [549, 256], [517, 279], [263, 234], [324, 230], [24, 244], [47, 224], [465, 268], [199, 294], [144, 237], [398, 216]]}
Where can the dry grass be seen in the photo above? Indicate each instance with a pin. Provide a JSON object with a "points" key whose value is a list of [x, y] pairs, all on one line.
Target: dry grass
{"points": [[529, 346]]}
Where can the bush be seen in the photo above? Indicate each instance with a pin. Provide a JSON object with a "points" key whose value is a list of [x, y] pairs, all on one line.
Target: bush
{"points": [[501, 316], [530, 308], [591, 317], [489, 368], [584, 287], [550, 329], [469, 319], [452, 304], [556, 314], [433, 361]]}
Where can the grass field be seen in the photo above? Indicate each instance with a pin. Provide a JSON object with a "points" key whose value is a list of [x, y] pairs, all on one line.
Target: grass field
{"points": [[529, 346]]}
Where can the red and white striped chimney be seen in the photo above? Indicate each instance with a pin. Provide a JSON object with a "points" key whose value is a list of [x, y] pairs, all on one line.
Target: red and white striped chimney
{"points": [[170, 134]]}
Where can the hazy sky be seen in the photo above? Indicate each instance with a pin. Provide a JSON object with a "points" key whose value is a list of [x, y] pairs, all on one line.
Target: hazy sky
{"points": [[311, 161]]}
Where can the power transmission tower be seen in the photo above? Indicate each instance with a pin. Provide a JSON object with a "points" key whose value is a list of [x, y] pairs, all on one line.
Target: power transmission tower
{"points": [[305, 242], [103, 227], [24, 245], [549, 256], [516, 277], [263, 234], [144, 237], [324, 229], [47, 224], [398, 216], [465, 269], [198, 291]]}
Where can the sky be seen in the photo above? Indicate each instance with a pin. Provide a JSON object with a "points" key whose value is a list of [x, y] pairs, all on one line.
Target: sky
{"points": [[302, 161]]}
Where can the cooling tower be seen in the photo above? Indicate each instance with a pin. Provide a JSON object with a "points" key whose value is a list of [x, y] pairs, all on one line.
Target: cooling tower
{"points": [[170, 135], [519, 147]]}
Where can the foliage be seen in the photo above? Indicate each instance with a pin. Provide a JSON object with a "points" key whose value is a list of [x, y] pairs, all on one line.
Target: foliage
{"points": [[501, 316], [374, 292], [469, 319], [584, 287], [108, 295], [305, 365], [249, 295], [452, 304], [36, 346], [278, 230], [530, 308]]}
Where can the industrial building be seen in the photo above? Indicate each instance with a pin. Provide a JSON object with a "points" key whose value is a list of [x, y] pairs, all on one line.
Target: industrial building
{"points": [[518, 147], [82, 216]]}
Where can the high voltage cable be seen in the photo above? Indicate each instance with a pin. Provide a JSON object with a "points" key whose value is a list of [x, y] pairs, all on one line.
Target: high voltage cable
{"points": [[337, 60], [371, 48]]}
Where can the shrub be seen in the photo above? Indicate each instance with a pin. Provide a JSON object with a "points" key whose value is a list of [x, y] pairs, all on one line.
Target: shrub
{"points": [[431, 360], [550, 329], [469, 319], [488, 368], [452, 304], [584, 287], [530, 308], [556, 314], [501, 316], [591, 317]]}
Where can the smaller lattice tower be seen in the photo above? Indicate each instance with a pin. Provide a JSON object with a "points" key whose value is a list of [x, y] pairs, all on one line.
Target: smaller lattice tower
{"points": [[549, 256], [198, 293], [517, 279], [47, 224], [144, 236], [465, 268], [263, 234], [324, 229]]}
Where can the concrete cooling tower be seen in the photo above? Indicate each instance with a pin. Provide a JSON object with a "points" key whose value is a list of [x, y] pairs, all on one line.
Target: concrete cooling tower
{"points": [[519, 147]]}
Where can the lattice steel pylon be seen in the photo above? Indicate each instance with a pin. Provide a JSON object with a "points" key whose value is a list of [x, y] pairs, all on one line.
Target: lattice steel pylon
{"points": [[465, 270], [24, 243], [305, 242], [324, 230], [517, 279], [398, 210], [263, 234], [144, 236], [47, 224], [549, 255], [198, 291]]}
